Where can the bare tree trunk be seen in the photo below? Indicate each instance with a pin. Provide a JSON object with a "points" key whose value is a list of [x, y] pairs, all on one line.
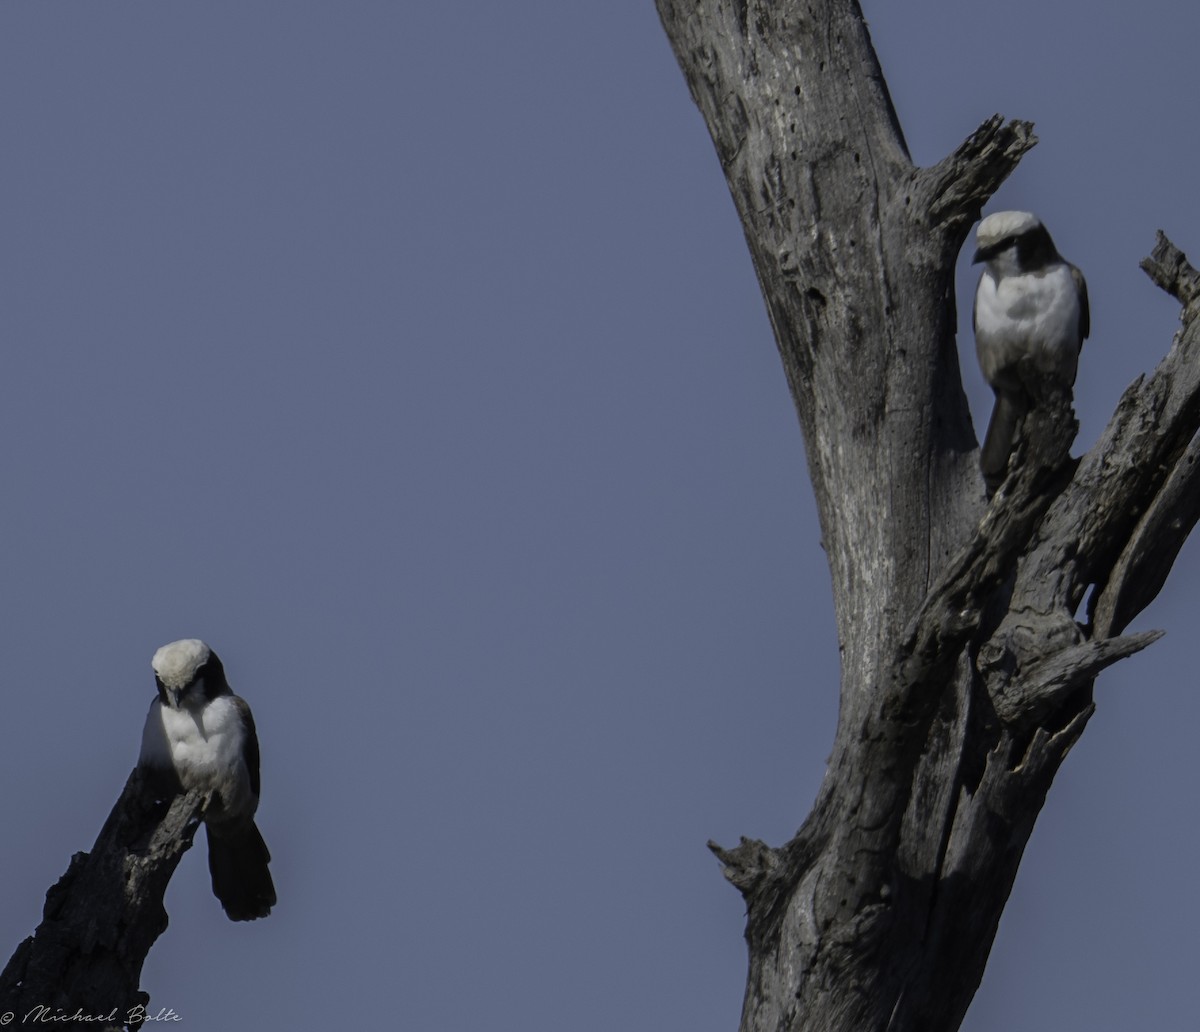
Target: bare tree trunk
{"points": [[965, 675], [82, 965]]}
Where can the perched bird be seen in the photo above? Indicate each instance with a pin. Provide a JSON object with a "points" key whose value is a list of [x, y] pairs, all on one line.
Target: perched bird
{"points": [[202, 736], [1030, 304]]}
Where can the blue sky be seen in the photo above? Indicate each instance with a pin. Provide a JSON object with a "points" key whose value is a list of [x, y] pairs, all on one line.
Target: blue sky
{"points": [[414, 360]]}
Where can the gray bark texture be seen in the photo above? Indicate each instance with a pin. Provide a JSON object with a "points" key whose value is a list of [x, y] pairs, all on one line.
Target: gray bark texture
{"points": [[84, 961], [966, 673]]}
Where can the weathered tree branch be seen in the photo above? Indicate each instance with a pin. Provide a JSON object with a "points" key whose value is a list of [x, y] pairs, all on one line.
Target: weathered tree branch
{"points": [[1169, 268], [954, 607], [102, 917], [959, 186], [1049, 680], [1140, 571]]}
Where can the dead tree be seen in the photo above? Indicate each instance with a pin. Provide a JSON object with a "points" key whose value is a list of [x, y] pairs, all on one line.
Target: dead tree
{"points": [[81, 967], [967, 654]]}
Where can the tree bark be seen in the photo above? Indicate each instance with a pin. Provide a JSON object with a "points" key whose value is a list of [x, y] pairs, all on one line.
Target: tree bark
{"points": [[82, 965], [966, 677]]}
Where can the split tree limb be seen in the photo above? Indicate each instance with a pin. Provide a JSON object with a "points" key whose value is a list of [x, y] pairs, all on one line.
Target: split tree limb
{"points": [[103, 915]]}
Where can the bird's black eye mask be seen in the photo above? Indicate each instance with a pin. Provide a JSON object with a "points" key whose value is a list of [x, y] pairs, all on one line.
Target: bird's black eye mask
{"points": [[983, 254], [1035, 248]]}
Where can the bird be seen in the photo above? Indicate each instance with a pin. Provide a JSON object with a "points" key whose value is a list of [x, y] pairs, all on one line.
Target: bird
{"points": [[201, 736], [1031, 304]]}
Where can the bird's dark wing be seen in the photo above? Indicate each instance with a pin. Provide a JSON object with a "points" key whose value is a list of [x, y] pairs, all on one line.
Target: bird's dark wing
{"points": [[1085, 315], [250, 749]]}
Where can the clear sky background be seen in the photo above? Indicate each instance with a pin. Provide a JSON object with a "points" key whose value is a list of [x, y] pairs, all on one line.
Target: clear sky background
{"points": [[411, 356]]}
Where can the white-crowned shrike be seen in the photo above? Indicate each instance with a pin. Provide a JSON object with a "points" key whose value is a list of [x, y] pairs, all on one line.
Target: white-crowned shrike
{"points": [[1030, 304], [202, 736]]}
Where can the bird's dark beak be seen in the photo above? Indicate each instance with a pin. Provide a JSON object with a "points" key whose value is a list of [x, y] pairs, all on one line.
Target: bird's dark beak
{"points": [[980, 256]]}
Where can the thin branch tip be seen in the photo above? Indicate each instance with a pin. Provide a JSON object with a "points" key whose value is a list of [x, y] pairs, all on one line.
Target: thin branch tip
{"points": [[1012, 137], [746, 865], [1168, 268], [720, 852], [964, 181]]}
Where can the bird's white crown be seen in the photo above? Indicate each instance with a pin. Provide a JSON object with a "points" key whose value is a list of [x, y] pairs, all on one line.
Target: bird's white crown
{"points": [[1003, 224], [176, 664]]}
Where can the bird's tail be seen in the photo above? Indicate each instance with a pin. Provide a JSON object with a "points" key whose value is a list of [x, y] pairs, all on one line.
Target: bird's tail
{"points": [[998, 443], [237, 860]]}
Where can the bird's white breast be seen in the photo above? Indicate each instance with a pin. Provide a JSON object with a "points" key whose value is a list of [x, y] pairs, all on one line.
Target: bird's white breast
{"points": [[205, 746], [1035, 314]]}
